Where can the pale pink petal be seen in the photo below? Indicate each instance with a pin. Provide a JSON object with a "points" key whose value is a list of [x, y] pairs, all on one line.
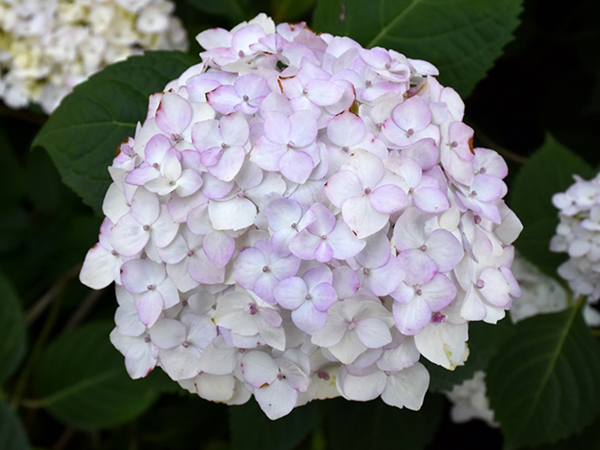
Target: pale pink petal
{"points": [[388, 199], [149, 306], [291, 292], [259, 368], [373, 333]]}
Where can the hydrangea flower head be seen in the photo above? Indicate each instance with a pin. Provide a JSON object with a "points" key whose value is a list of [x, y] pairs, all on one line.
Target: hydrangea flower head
{"points": [[49, 46], [300, 218]]}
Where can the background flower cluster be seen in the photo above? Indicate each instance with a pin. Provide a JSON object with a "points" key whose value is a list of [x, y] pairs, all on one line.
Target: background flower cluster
{"points": [[64, 385]]}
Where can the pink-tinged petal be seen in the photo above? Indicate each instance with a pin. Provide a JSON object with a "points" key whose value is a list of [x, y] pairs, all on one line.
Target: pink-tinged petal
{"points": [[264, 287], [425, 152], [367, 166], [174, 114], [386, 279], [204, 271], [388, 199], [244, 37], [198, 221], [343, 242], [407, 388], [149, 306], [444, 249], [308, 319], [323, 92], [276, 400], [277, 128], [282, 213], [323, 296], [362, 388], [490, 162], [234, 214], [164, 229], [430, 199], [439, 292], [223, 99], [324, 222], [229, 164], [373, 333], [211, 156], [345, 281], [346, 129], [284, 267], [234, 129], [334, 331], [175, 251], [412, 317], [291, 292], [138, 274], [167, 333], [303, 128], [128, 237], [496, 289], [403, 294], [156, 149], [323, 252], [362, 219], [487, 188], [412, 114], [460, 136], [395, 135], [189, 183], [214, 188], [214, 38], [145, 206], [304, 245], [473, 307], [247, 267], [258, 368], [409, 230], [343, 186], [219, 247], [205, 135], [99, 267], [141, 175], [267, 154], [418, 267], [296, 166]]}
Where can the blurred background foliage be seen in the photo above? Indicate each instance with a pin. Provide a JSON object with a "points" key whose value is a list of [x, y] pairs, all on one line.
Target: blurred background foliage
{"points": [[63, 386]]}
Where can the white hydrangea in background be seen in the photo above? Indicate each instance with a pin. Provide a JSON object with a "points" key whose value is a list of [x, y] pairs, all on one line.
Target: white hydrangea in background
{"points": [[469, 401], [578, 235], [300, 218], [49, 46]]}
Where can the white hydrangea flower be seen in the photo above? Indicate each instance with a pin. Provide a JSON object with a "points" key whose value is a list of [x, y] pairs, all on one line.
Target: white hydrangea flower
{"points": [[49, 46], [319, 207]]}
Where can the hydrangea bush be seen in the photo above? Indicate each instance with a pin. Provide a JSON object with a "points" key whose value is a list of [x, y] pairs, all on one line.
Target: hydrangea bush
{"points": [[302, 218], [49, 46]]}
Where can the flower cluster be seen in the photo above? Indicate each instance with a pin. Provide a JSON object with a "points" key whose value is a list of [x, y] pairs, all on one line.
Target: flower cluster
{"points": [[578, 234], [300, 218], [49, 46]]}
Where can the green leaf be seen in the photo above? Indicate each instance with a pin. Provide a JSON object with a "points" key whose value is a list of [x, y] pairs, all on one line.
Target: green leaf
{"points": [[83, 382], [543, 382], [12, 435], [236, 10], [13, 332], [549, 170], [83, 134], [375, 425], [288, 10], [462, 38], [251, 429], [484, 340]]}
